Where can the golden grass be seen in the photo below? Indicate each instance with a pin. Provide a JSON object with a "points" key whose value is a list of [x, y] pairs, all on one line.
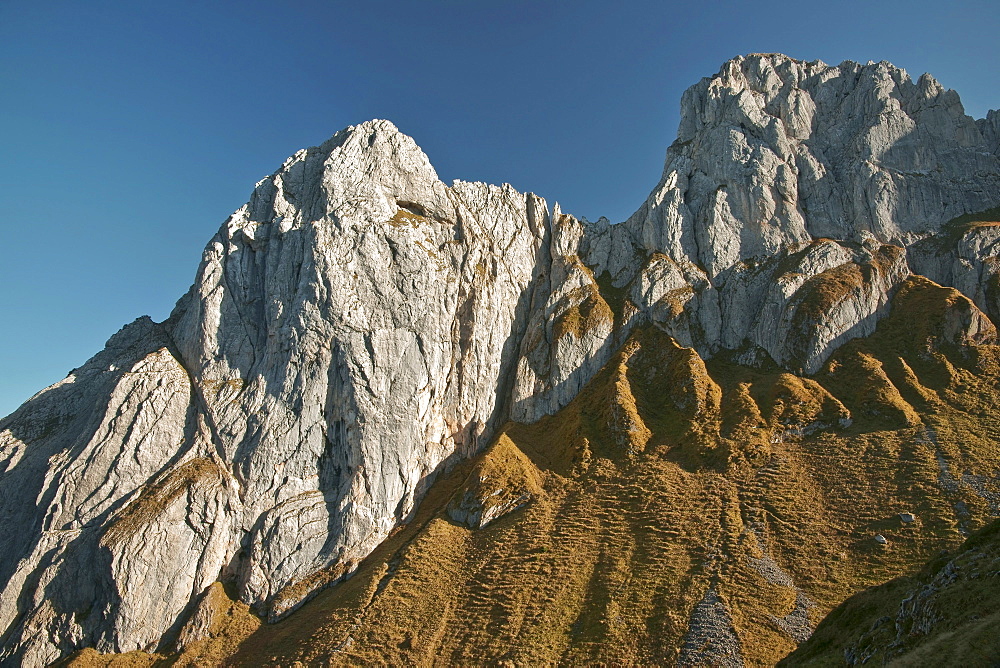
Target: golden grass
{"points": [[404, 218], [91, 658], [231, 623], [663, 477], [587, 311], [502, 479], [963, 609]]}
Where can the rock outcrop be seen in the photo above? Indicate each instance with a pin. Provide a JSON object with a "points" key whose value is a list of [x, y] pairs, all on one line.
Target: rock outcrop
{"points": [[349, 331], [358, 326]]}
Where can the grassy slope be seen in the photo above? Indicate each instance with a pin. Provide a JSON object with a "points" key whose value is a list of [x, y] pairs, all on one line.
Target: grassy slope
{"points": [[665, 477], [955, 623]]}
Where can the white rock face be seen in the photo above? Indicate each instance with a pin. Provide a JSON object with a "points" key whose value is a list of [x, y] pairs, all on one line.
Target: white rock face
{"points": [[969, 261], [569, 337], [773, 152], [359, 325], [349, 332], [354, 302]]}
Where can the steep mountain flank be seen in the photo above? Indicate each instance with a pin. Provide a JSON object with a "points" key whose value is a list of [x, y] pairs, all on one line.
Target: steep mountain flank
{"points": [[621, 431], [945, 614], [676, 512]]}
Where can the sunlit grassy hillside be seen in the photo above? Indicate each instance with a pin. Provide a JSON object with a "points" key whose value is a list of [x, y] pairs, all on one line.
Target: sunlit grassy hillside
{"points": [[674, 512], [946, 614]]}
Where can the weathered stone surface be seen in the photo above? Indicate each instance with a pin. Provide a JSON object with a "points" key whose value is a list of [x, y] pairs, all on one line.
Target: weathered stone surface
{"points": [[569, 336], [970, 263], [355, 302], [358, 325], [711, 639], [76, 459], [678, 297], [773, 154]]}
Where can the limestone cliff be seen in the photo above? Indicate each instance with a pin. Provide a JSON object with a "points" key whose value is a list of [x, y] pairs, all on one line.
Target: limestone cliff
{"points": [[359, 327]]}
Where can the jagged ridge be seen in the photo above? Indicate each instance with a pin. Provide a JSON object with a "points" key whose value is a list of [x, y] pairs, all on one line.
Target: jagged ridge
{"points": [[679, 512], [359, 327]]}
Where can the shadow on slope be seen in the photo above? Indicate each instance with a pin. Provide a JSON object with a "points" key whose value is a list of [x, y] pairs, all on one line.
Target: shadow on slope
{"points": [[945, 614], [668, 482]]}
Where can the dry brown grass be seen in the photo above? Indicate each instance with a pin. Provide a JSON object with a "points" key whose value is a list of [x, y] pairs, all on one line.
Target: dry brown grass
{"points": [[404, 218], [963, 609], [502, 479], [654, 484], [587, 312], [90, 658], [230, 623]]}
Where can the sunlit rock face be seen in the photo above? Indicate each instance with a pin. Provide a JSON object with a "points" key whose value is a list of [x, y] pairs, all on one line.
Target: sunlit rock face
{"points": [[774, 154], [358, 326]]}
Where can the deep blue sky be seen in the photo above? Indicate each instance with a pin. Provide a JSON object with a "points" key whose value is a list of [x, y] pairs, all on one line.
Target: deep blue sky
{"points": [[130, 130]]}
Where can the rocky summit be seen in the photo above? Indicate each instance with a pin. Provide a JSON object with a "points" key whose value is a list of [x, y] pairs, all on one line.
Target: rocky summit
{"points": [[455, 425]]}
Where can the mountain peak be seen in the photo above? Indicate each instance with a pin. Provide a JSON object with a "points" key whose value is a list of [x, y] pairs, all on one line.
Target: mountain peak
{"points": [[359, 329], [366, 167], [773, 152]]}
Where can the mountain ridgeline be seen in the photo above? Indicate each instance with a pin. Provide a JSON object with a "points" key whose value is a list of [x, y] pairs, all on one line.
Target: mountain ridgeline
{"points": [[400, 422]]}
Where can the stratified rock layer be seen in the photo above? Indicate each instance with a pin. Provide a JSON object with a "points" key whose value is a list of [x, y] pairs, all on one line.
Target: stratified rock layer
{"points": [[359, 326]]}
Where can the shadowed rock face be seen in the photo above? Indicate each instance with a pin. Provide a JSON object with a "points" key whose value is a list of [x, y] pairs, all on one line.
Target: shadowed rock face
{"points": [[943, 613], [359, 326]]}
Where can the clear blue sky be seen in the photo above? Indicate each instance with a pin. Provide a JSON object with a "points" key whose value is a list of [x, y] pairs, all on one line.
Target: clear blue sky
{"points": [[130, 130]]}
